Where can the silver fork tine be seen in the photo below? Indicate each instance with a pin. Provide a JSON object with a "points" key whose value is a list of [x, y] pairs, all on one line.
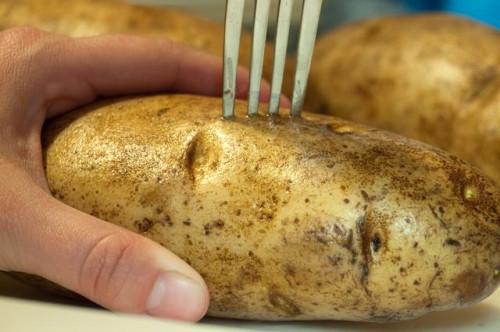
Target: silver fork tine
{"points": [[261, 18], [308, 29], [232, 34], [280, 48]]}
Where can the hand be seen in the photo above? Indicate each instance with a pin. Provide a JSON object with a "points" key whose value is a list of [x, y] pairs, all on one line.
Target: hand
{"points": [[43, 75]]}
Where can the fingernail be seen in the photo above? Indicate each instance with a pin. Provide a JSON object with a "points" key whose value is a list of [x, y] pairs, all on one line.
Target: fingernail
{"points": [[285, 102], [177, 296]]}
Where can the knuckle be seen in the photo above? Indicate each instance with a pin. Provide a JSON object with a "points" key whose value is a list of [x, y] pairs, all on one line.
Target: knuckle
{"points": [[26, 46], [106, 266], [22, 35], [29, 52]]}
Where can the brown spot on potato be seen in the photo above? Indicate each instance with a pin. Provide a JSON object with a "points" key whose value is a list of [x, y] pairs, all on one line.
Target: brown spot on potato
{"points": [[469, 285], [335, 259], [365, 271], [282, 303], [364, 92], [162, 111], [144, 225], [152, 198], [438, 217], [336, 234], [217, 224], [167, 221], [228, 301], [452, 242], [290, 273], [289, 270], [481, 83], [249, 274], [371, 32], [367, 198], [375, 242]]}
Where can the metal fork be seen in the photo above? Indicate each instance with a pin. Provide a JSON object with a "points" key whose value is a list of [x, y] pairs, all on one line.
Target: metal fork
{"points": [[234, 17]]}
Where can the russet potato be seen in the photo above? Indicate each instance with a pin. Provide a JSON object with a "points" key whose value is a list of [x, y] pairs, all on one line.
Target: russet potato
{"points": [[286, 219], [416, 75]]}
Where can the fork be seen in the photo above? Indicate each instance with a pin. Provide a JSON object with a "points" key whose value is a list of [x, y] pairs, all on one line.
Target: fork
{"points": [[311, 10]]}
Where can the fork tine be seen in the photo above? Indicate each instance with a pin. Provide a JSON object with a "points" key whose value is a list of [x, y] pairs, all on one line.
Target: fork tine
{"points": [[308, 29], [232, 34], [280, 50], [261, 18]]}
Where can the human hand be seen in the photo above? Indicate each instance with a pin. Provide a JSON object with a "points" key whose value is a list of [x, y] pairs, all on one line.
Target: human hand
{"points": [[43, 75]]}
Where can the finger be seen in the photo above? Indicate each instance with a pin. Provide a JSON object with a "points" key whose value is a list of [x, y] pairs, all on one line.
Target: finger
{"points": [[65, 73], [285, 102], [118, 65], [109, 265]]}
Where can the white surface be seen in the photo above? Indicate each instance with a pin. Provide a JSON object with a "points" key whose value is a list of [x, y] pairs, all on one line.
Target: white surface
{"points": [[22, 315], [43, 315]]}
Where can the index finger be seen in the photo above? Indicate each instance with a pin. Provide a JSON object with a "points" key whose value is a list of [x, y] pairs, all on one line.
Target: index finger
{"points": [[117, 65]]}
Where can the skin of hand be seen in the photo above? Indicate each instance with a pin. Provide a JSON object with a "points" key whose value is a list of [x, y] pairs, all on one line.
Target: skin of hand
{"points": [[43, 75]]}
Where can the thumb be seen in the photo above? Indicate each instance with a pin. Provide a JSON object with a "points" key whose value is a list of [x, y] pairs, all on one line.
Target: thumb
{"points": [[111, 266]]}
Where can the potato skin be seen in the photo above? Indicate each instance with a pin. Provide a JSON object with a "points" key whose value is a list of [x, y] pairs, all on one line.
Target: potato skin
{"points": [[413, 75], [476, 131], [84, 18], [312, 218]]}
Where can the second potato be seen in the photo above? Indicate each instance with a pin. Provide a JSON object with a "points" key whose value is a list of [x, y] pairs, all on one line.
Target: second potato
{"points": [[428, 77]]}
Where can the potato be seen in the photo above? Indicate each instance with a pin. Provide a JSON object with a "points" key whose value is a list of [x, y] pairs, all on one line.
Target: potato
{"points": [[286, 219], [414, 75], [476, 131], [82, 18]]}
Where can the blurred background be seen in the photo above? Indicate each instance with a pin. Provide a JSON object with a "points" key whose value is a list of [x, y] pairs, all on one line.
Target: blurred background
{"points": [[336, 12]]}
